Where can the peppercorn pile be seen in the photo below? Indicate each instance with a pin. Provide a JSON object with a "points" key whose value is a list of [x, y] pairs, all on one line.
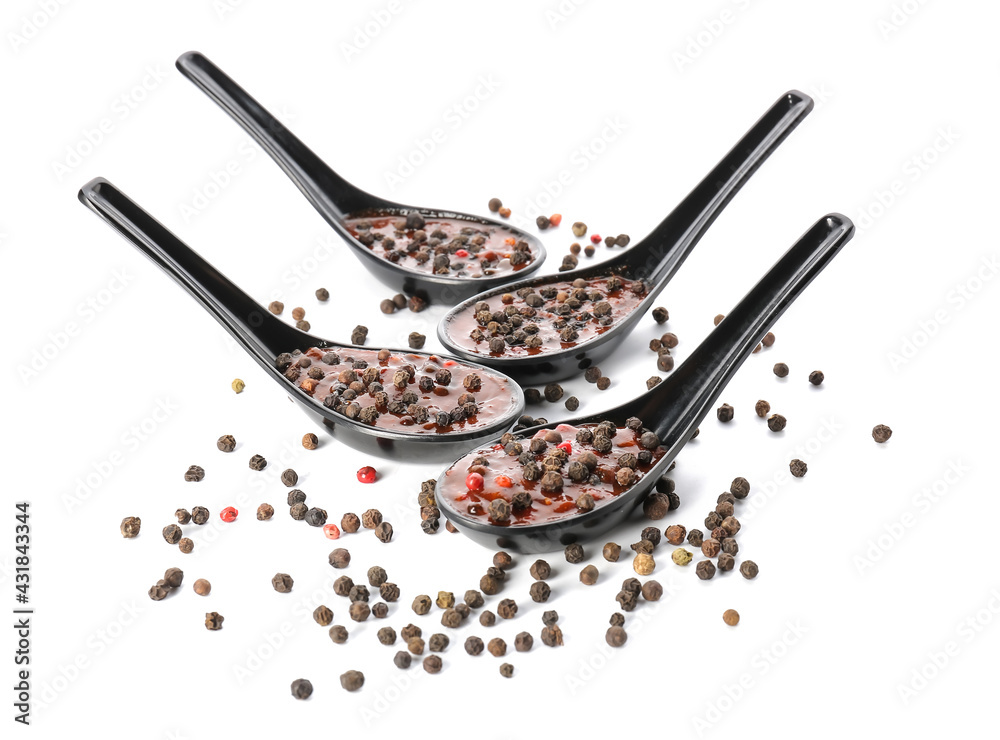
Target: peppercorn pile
{"points": [[558, 473], [450, 247], [396, 390], [556, 316]]}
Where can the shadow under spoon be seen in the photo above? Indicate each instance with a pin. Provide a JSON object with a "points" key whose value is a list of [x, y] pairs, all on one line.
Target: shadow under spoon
{"points": [[672, 410], [337, 200], [654, 260], [264, 337]]}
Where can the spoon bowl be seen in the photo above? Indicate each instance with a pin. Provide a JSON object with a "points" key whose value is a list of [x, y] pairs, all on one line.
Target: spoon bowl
{"points": [[264, 336], [674, 408], [654, 260], [339, 202]]}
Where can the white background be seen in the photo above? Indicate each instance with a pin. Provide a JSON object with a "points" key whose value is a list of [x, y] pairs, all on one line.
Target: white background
{"points": [[904, 100]]}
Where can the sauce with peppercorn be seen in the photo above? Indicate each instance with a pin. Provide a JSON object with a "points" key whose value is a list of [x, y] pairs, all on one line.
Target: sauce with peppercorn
{"points": [[557, 316], [448, 247], [400, 391], [558, 473]]}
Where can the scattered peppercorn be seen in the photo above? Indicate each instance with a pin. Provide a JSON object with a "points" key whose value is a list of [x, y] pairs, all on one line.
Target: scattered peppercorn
{"points": [[276, 307], [352, 680], [213, 621], [202, 587], [798, 468], [612, 551], [776, 422], [731, 617], [603, 383], [172, 534], [186, 545], [781, 370], [643, 564], [130, 527], [681, 556], [881, 433], [761, 408], [725, 413], [574, 553], [238, 385], [199, 515], [748, 569], [616, 636], [338, 633], [589, 575], [816, 377], [497, 647], [705, 570]]}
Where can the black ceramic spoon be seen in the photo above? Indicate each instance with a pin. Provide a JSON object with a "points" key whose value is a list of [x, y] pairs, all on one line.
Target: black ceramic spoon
{"points": [[264, 336], [674, 408], [655, 259], [336, 199]]}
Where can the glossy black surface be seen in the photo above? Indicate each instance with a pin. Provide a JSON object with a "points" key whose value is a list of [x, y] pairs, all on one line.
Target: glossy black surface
{"points": [[655, 259], [264, 336], [674, 408], [335, 198]]}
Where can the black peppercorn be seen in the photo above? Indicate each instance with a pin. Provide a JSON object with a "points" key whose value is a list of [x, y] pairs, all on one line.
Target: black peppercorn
{"points": [[574, 553], [474, 645], [540, 570], [616, 636]]}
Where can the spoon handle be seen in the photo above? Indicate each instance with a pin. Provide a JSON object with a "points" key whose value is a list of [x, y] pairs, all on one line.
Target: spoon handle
{"points": [[259, 332], [663, 251], [681, 401], [330, 194]]}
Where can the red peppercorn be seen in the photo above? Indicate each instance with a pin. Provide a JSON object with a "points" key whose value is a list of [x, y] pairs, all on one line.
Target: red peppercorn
{"points": [[332, 531], [504, 481], [474, 482], [462, 253], [567, 446], [555, 219], [229, 514], [595, 238], [448, 363], [366, 474]]}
